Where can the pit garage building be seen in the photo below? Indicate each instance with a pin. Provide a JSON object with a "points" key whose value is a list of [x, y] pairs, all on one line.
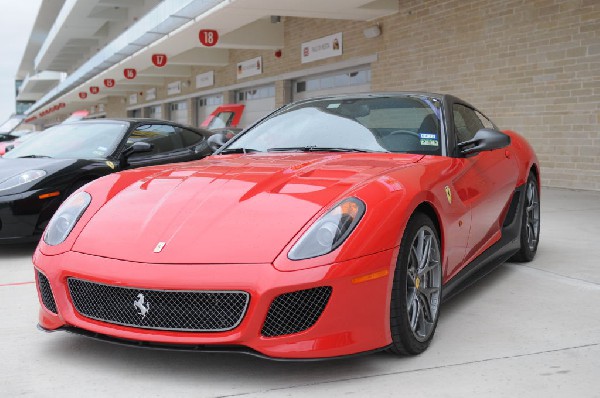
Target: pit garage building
{"points": [[532, 66]]}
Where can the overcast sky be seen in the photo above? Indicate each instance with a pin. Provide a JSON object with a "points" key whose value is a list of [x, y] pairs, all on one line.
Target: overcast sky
{"points": [[16, 21]]}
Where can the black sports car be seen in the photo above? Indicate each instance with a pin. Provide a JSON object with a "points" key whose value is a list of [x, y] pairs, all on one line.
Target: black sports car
{"points": [[37, 176]]}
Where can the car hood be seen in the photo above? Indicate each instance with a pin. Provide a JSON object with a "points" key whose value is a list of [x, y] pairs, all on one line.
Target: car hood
{"points": [[12, 167], [225, 209]]}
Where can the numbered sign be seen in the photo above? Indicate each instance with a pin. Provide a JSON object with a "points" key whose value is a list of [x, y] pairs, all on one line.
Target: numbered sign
{"points": [[129, 73], [159, 60], [208, 37], [94, 89], [109, 83], [83, 95]]}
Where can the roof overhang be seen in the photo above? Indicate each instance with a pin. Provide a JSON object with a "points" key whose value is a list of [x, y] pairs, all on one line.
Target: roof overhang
{"points": [[172, 28]]}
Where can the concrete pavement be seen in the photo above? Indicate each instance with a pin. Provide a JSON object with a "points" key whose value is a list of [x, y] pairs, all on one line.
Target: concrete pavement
{"points": [[526, 330]]}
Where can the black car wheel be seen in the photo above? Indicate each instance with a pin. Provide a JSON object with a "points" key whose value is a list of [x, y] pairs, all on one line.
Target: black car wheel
{"points": [[417, 287], [530, 224]]}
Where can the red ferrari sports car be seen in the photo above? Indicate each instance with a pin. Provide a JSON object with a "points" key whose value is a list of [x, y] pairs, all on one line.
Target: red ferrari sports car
{"points": [[332, 227]]}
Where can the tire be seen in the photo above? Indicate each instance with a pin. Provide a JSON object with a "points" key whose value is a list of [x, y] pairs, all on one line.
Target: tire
{"points": [[417, 288], [530, 223]]}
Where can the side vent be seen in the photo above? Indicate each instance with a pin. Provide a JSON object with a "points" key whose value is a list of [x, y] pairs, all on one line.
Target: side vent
{"points": [[512, 209]]}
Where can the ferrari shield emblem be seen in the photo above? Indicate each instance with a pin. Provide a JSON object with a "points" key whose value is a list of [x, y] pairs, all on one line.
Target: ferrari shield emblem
{"points": [[110, 164], [448, 194]]}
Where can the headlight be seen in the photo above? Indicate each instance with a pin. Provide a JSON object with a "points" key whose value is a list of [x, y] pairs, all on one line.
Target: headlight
{"points": [[66, 217], [329, 231], [20, 179]]}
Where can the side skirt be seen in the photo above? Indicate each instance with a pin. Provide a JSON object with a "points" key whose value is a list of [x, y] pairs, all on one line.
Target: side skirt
{"points": [[496, 254]]}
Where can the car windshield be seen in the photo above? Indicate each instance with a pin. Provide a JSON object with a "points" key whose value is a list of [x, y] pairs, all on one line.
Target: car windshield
{"points": [[73, 141], [403, 124]]}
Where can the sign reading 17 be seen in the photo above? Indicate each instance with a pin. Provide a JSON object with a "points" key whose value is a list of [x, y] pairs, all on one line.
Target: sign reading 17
{"points": [[208, 37]]}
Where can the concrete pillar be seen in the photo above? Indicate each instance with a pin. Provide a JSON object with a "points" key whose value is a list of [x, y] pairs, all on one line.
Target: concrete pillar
{"points": [[115, 107], [229, 97], [191, 113], [283, 92]]}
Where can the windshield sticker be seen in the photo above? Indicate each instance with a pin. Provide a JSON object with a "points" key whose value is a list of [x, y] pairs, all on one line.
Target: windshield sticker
{"points": [[429, 142], [333, 106], [428, 136]]}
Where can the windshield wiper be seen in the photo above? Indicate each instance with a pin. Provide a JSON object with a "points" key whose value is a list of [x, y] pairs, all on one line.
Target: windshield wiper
{"points": [[238, 150], [314, 148], [34, 156]]}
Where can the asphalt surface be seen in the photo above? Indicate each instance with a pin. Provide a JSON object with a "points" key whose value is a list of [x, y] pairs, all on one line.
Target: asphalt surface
{"points": [[526, 330]]}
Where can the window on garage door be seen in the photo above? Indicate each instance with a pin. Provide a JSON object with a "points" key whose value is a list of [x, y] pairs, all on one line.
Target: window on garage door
{"points": [[258, 101], [352, 81]]}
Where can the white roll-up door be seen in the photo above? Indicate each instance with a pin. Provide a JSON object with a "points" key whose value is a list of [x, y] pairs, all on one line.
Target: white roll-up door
{"points": [[178, 112], [259, 101], [153, 112], [206, 105]]}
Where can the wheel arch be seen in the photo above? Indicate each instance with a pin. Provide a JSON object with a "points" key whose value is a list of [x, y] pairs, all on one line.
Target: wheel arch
{"points": [[430, 211], [535, 169]]}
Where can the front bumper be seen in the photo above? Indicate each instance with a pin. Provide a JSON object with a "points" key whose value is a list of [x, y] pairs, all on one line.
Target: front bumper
{"points": [[24, 216], [355, 319]]}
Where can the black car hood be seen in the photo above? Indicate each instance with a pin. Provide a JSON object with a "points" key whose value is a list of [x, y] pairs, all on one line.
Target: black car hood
{"points": [[60, 172], [11, 167]]}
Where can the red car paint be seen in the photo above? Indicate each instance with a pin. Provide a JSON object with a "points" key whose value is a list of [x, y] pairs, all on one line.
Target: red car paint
{"points": [[229, 222], [229, 115]]}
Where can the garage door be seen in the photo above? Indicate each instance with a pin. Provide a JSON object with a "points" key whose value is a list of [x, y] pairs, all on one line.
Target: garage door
{"points": [[154, 112], [352, 81], [259, 101], [178, 112], [134, 113], [205, 106]]}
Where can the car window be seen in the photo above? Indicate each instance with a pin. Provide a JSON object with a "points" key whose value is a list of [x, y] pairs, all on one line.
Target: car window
{"points": [[189, 137], [162, 136], [87, 140], [466, 122], [222, 120], [380, 124], [487, 123]]}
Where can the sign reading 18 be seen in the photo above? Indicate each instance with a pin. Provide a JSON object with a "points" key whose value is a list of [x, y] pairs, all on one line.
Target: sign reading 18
{"points": [[208, 37]]}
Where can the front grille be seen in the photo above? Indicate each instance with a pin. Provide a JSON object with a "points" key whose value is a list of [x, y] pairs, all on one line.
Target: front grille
{"points": [[190, 311], [297, 311], [46, 292]]}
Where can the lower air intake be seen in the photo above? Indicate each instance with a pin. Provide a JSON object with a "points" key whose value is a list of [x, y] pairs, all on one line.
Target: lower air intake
{"points": [[46, 292], [297, 311]]}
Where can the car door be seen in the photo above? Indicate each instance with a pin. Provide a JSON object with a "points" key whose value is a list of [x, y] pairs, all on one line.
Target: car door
{"points": [[486, 182], [168, 145]]}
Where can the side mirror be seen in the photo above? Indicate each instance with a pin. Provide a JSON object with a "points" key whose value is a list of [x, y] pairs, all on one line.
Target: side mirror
{"points": [[484, 140], [217, 140], [136, 147]]}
